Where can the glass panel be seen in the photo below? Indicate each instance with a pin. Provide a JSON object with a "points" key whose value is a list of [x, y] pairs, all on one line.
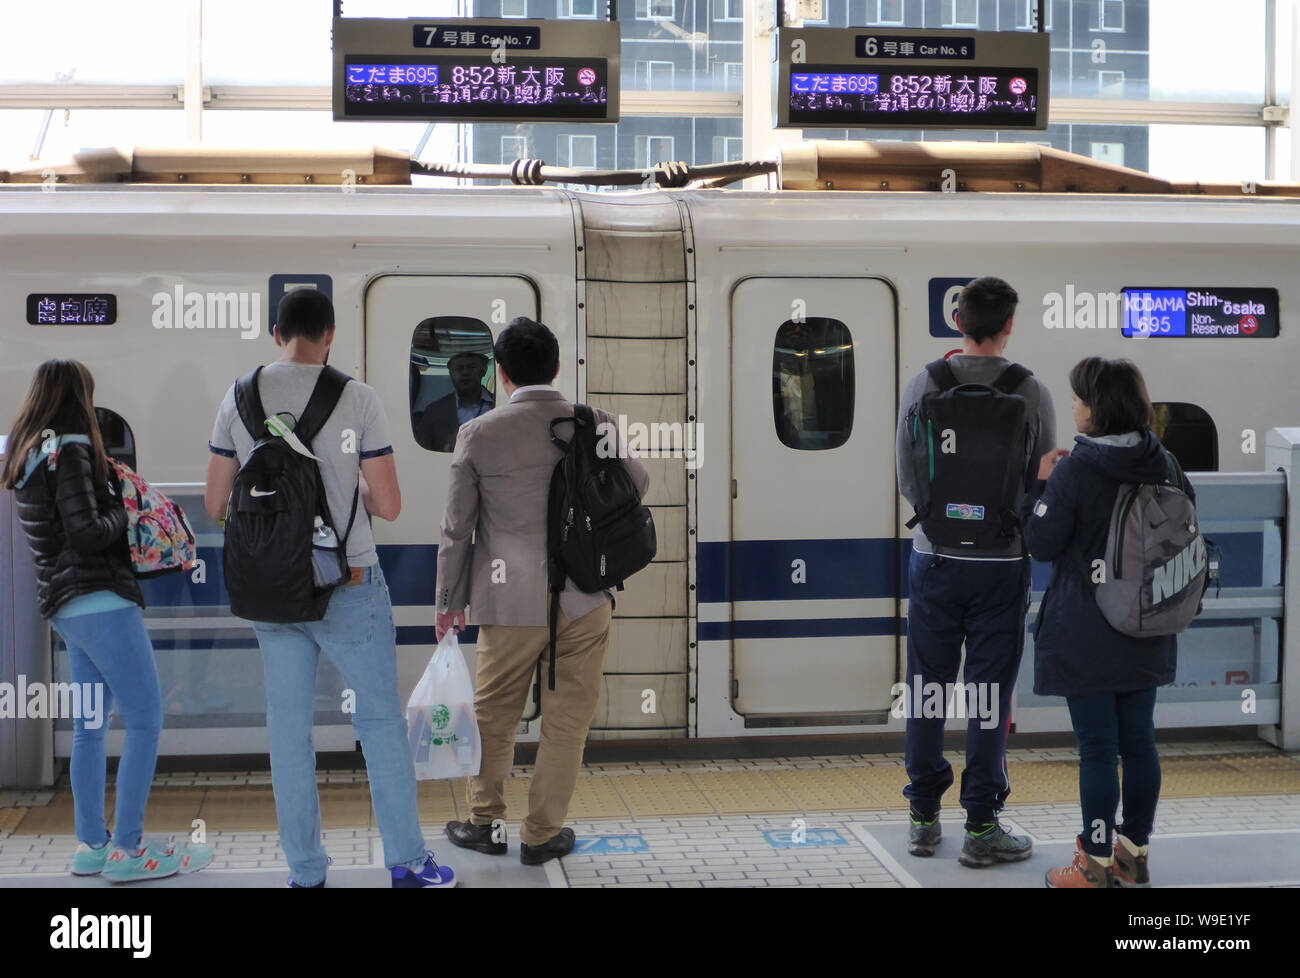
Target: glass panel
{"points": [[813, 383], [93, 42], [119, 441], [451, 378], [610, 147], [1201, 51]]}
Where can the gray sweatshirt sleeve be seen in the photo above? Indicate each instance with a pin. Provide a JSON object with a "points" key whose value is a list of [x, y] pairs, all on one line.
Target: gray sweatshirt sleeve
{"points": [[1046, 423], [903, 439]]}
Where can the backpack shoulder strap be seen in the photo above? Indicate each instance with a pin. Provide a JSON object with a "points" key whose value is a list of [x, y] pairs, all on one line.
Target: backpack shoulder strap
{"points": [[324, 398], [1012, 378], [941, 372], [248, 401]]}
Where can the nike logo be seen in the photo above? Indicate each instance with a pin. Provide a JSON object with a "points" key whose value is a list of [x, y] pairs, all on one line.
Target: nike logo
{"points": [[257, 492]]}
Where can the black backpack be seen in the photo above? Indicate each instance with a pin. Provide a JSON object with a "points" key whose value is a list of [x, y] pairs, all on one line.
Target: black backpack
{"points": [[597, 531], [277, 495], [970, 450]]}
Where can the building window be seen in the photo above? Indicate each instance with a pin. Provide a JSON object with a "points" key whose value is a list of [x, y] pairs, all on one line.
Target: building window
{"points": [[727, 149], [514, 8], [813, 384], [888, 12], [1107, 153], [730, 9], [653, 149], [514, 148], [577, 151], [961, 13], [575, 9], [729, 75], [1027, 15], [654, 9], [1110, 84], [1110, 16], [653, 74], [451, 378]]}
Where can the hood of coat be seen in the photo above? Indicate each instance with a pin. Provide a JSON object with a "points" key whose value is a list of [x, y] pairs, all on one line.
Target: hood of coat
{"points": [[1123, 457]]}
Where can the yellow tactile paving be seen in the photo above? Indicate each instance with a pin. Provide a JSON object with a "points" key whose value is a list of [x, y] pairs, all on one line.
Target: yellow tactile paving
{"points": [[56, 818], [882, 787], [173, 810], [10, 817], [742, 792], [596, 798], [242, 809], [661, 795], [437, 801], [342, 806], [824, 790], [1037, 783]]}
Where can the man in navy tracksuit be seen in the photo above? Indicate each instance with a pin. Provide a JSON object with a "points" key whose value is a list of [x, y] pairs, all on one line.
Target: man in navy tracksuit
{"points": [[977, 597]]}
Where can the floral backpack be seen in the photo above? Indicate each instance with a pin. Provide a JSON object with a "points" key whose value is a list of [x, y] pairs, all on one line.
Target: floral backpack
{"points": [[157, 529]]}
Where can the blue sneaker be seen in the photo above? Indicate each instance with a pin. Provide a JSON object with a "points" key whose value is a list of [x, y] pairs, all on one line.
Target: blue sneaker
{"points": [[431, 875], [89, 861]]}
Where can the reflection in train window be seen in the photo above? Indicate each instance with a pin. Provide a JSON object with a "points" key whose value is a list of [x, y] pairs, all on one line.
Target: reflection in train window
{"points": [[812, 383], [119, 441], [451, 378], [1189, 433]]}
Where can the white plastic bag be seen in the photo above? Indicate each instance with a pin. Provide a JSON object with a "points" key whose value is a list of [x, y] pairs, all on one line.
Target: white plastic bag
{"points": [[440, 717]]}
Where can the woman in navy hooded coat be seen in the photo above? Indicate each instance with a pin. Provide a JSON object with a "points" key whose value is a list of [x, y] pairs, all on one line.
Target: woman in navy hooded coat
{"points": [[1109, 679]]}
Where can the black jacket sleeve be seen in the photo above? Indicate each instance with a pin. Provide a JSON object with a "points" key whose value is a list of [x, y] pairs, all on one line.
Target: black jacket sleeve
{"points": [[88, 526], [1049, 523]]}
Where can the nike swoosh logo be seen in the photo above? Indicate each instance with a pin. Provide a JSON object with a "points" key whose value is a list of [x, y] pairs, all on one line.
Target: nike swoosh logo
{"points": [[255, 492]]}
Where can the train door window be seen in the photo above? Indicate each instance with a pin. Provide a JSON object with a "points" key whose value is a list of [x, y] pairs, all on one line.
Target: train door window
{"points": [[888, 12], [813, 383], [1189, 433], [451, 378], [961, 13], [119, 441]]}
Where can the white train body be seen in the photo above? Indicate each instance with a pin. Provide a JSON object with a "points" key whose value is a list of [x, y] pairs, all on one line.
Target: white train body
{"points": [[775, 606]]}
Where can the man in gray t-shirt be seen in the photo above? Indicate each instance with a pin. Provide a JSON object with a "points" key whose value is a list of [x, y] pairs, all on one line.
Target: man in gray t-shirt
{"points": [[357, 633], [974, 600]]}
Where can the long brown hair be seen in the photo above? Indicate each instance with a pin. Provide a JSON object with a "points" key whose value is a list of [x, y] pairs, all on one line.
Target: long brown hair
{"points": [[61, 401]]}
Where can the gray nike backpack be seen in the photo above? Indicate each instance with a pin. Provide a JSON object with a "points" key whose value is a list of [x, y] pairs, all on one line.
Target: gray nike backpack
{"points": [[1157, 565]]}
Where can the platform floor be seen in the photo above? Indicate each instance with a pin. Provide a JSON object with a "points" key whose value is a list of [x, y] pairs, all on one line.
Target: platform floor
{"points": [[1229, 816]]}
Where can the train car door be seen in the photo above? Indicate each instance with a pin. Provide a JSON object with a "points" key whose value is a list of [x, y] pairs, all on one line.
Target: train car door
{"points": [[428, 341], [813, 572]]}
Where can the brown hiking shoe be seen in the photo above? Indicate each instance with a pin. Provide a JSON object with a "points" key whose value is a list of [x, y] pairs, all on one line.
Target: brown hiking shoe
{"points": [[1130, 863], [1086, 872]]}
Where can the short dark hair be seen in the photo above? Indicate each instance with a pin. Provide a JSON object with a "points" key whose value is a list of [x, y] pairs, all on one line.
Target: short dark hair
{"points": [[306, 313], [984, 307], [1115, 393], [527, 352]]}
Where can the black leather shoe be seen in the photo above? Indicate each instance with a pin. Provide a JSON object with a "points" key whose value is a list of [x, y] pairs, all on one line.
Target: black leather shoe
{"points": [[467, 835], [560, 845]]}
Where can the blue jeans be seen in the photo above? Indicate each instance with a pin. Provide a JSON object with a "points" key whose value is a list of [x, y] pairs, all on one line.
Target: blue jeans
{"points": [[1110, 725], [358, 635], [983, 604], [113, 649]]}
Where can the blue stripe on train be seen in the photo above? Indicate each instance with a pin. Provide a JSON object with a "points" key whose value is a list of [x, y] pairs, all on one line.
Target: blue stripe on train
{"points": [[743, 570]]}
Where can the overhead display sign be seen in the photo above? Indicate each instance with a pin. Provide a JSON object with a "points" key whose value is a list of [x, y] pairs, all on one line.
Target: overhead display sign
{"points": [[71, 309], [475, 70], [1200, 312], [857, 78]]}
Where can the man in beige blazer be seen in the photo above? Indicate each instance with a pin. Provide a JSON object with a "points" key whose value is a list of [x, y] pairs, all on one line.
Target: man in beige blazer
{"points": [[493, 558]]}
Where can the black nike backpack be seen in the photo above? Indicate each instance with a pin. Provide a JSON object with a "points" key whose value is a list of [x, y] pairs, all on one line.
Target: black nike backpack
{"points": [[598, 533], [270, 519], [970, 450]]}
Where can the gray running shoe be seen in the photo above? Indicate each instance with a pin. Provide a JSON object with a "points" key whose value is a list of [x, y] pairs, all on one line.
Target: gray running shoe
{"points": [[923, 837], [994, 845]]}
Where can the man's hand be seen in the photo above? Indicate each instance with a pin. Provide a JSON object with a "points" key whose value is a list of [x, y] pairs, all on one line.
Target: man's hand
{"points": [[1047, 464], [442, 622]]}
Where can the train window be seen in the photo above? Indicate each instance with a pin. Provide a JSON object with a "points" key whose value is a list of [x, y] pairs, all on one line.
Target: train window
{"points": [[119, 441], [812, 384], [451, 378], [1189, 433]]}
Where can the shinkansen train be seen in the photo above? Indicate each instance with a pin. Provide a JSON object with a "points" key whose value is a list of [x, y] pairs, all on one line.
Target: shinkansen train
{"points": [[753, 344]]}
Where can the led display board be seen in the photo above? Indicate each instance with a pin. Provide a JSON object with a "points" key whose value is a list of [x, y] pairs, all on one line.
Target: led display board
{"points": [[1200, 312], [71, 309], [858, 78]]}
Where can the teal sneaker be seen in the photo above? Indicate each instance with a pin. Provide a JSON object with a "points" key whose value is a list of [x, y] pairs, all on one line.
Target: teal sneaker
{"points": [[922, 836], [991, 843], [194, 856], [89, 861], [152, 861]]}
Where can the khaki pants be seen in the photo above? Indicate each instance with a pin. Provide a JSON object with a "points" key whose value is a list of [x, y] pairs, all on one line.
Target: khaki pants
{"points": [[506, 662]]}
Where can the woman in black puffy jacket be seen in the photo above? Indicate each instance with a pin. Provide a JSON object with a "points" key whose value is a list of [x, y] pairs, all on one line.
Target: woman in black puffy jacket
{"points": [[1109, 679], [76, 525]]}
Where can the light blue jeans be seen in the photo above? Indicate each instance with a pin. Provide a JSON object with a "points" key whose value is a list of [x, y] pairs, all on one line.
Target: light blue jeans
{"points": [[112, 648], [358, 636]]}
